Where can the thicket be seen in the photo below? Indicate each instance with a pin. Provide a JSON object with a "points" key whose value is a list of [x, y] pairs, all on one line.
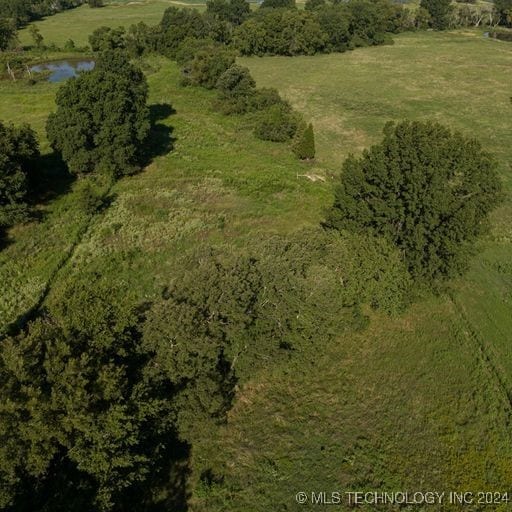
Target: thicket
{"points": [[19, 151], [281, 29], [211, 65], [99, 389], [203, 62], [102, 119], [425, 189]]}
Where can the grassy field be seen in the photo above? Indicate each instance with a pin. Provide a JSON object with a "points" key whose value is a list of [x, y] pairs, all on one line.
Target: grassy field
{"points": [[197, 192], [459, 79], [78, 23], [419, 402]]}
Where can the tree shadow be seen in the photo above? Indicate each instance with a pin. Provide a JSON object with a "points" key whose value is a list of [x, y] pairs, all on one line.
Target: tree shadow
{"points": [[67, 488], [4, 239], [160, 140], [51, 179], [171, 482]]}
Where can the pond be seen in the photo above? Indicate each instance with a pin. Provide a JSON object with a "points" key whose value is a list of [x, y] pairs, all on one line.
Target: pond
{"points": [[63, 69]]}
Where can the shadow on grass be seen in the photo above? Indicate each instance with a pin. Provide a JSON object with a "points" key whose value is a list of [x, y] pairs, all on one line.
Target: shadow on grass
{"points": [[50, 180], [4, 239], [160, 140]]}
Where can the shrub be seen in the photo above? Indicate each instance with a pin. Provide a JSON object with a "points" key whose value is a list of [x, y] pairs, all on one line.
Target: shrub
{"points": [[503, 35], [208, 63], [334, 22], [178, 25], [90, 197], [277, 123], [504, 11], [107, 38], [70, 45], [304, 142], [264, 98], [236, 89]]}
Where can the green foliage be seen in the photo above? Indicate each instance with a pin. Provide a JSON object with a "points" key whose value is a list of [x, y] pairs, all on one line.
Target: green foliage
{"points": [[335, 21], [90, 196], [102, 119], [439, 11], [304, 143], [7, 33], [207, 61], [277, 123], [280, 32], [277, 4], [141, 39], [18, 152], [178, 25], [321, 26], [233, 11], [311, 5], [222, 320], [107, 38], [20, 12], [425, 189], [504, 10], [81, 404], [236, 89], [36, 36], [70, 45]]}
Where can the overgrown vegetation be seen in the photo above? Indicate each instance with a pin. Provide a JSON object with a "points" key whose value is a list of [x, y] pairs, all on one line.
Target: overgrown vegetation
{"points": [[161, 319]]}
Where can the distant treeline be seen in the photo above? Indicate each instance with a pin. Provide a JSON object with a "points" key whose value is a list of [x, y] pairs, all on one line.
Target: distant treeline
{"points": [[279, 28], [21, 12]]}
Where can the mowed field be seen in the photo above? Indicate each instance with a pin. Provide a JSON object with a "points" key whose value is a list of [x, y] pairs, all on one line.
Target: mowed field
{"points": [[420, 402]]}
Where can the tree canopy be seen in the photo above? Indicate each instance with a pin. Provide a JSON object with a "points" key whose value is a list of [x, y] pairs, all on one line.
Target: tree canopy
{"points": [[102, 118], [7, 33], [426, 189], [18, 151], [439, 11]]}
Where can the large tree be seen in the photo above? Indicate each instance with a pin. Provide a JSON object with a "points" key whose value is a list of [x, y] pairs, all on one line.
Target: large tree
{"points": [[102, 119], [84, 416], [18, 151], [426, 189]]}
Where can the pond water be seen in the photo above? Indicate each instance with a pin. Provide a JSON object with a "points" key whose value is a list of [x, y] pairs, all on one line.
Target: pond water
{"points": [[63, 69]]}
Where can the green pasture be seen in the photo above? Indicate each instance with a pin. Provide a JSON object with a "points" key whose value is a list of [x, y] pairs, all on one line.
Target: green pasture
{"points": [[417, 402], [460, 79], [77, 24]]}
